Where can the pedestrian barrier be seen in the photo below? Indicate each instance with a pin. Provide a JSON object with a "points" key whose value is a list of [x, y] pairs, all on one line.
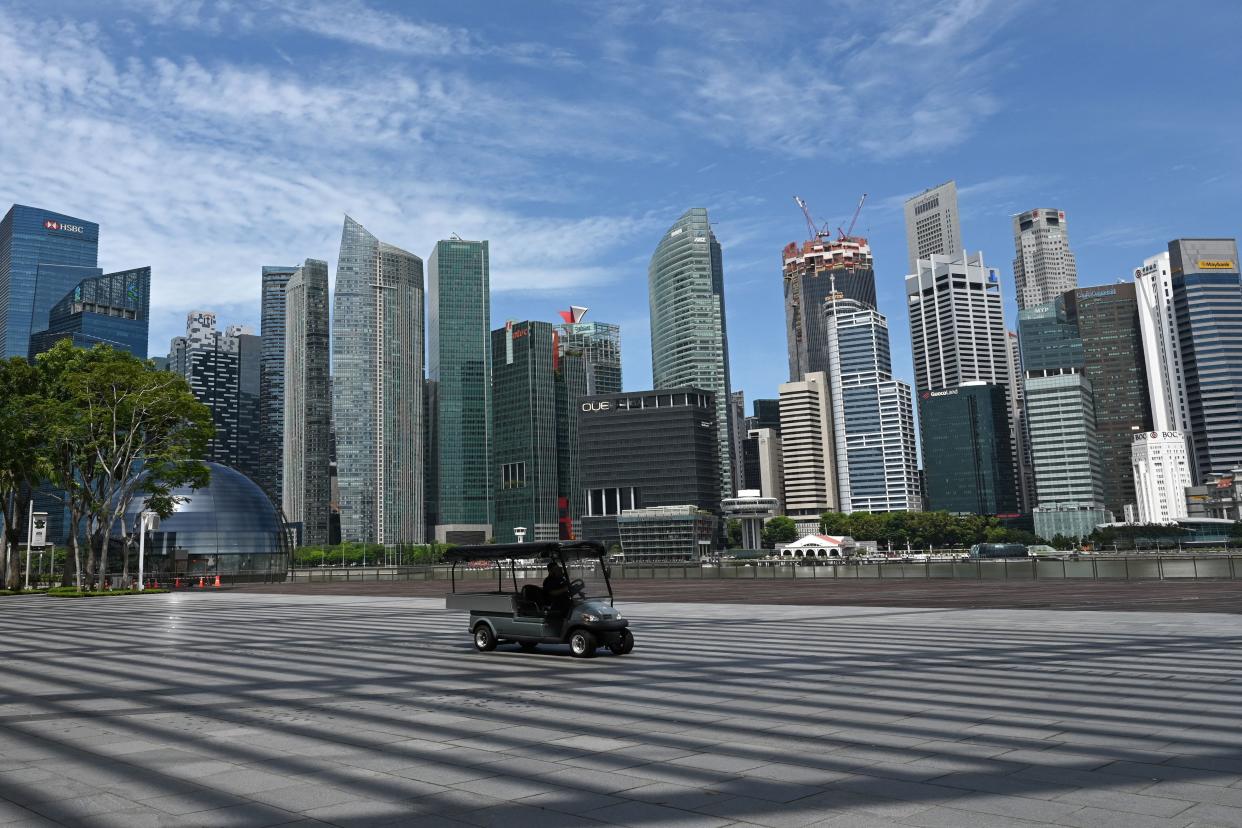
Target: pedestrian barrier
{"points": [[1090, 567]]}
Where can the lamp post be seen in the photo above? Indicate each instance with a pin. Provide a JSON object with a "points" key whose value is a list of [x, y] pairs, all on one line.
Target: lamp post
{"points": [[147, 521], [29, 540]]}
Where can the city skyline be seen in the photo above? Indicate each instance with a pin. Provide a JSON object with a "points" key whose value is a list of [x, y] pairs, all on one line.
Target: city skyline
{"points": [[539, 209]]}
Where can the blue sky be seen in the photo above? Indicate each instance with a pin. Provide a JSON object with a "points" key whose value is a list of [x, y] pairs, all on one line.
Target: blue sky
{"points": [[209, 139]]}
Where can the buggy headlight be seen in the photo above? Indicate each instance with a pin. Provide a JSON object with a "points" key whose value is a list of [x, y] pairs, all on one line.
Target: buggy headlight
{"points": [[590, 617], [617, 615]]}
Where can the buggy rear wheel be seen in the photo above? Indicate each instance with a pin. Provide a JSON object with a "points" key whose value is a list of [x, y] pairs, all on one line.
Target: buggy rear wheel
{"points": [[484, 638]]}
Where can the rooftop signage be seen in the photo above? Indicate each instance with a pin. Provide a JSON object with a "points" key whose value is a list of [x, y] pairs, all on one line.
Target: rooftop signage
{"points": [[52, 224], [1216, 264], [1158, 435]]}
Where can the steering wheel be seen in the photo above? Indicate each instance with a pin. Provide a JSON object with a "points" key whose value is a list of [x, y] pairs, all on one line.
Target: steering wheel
{"points": [[576, 586]]}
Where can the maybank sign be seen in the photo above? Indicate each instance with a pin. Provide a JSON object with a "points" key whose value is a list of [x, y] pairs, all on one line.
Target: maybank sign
{"points": [[1216, 264]]}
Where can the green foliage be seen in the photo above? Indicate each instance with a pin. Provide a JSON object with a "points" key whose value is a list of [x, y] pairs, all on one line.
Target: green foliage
{"points": [[733, 534], [1132, 536], [74, 592], [779, 529], [371, 554], [114, 428], [922, 529], [22, 462]]}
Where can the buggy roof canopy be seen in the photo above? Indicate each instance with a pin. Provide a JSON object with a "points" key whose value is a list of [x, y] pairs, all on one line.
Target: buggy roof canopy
{"points": [[537, 549]]}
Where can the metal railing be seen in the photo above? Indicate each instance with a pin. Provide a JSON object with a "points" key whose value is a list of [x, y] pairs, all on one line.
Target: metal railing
{"points": [[1144, 568]]}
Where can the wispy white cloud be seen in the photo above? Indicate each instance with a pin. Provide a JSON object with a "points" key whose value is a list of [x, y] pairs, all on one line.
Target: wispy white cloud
{"points": [[209, 171], [892, 79]]}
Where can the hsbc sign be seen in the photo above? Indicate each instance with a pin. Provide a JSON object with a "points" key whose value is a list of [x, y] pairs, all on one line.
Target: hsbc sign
{"points": [[52, 224]]}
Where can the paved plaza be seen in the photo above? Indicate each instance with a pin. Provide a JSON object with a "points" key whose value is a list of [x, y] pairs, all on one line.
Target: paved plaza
{"points": [[246, 709]]}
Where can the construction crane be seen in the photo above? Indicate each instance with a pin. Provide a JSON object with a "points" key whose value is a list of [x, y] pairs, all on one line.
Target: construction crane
{"points": [[811, 226], [845, 234]]}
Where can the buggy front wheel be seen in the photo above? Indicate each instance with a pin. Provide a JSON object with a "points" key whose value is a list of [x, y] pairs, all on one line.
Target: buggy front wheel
{"points": [[582, 644], [623, 645]]}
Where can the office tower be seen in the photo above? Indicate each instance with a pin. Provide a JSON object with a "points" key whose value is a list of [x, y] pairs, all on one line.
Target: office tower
{"points": [[571, 388], [1107, 321], [222, 368], [646, 449], [1162, 353], [1043, 266], [275, 280], [967, 460], [306, 403], [43, 256], [737, 427], [769, 460], [808, 454], [760, 450], [1207, 302], [767, 414], [111, 310], [1017, 415], [689, 341], [377, 360], [812, 273], [1066, 457], [599, 343], [873, 414], [958, 337], [1161, 475], [933, 227], [524, 422], [460, 366]]}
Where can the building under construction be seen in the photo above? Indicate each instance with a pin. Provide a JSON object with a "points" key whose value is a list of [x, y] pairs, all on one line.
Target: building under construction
{"points": [[813, 271]]}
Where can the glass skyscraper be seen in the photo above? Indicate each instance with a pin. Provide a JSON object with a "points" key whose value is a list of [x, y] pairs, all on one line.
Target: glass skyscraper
{"points": [[599, 343], [689, 340], [377, 355], [43, 256], [102, 310], [877, 458], [1207, 303], [307, 402], [526, 423], [460, 374], [272, 379]]}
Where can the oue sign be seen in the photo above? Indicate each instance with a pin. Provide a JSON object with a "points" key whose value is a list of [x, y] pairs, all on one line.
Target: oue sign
{"points": [[602, 405]]}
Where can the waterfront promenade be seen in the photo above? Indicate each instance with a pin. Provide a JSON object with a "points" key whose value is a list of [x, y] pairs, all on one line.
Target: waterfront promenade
{"points": [[251, 709]]}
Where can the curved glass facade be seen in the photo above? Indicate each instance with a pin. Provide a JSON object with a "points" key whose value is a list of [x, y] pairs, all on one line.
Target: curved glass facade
{"points": [[689, 343], [229, 528]]}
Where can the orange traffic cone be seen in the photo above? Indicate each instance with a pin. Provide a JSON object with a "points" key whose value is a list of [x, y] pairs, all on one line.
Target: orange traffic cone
{"points": [[200, 582], [176, 583], [217, 584], [155, 583]]}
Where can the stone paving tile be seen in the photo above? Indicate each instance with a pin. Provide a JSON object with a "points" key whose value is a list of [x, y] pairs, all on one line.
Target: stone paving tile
{"points": [[655, 816], [363, 813], [1102, 818], [304, 797], [1218, 816], [1133, 803], [522, 816], [943, 817], [764, 812], [244, 781], [204, 799], [247, 815]]}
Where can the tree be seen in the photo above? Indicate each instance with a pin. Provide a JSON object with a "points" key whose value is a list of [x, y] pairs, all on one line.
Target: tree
{"points": [[117, 429], [779, 529], [734, 534], [22, 459]]}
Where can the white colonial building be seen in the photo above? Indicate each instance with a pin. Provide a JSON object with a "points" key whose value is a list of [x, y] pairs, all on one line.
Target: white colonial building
{"points": [[818, 546], [1161, 475]]}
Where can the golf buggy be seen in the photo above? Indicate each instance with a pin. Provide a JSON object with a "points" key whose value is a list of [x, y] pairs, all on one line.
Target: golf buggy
{"points": [[528, 616]]}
